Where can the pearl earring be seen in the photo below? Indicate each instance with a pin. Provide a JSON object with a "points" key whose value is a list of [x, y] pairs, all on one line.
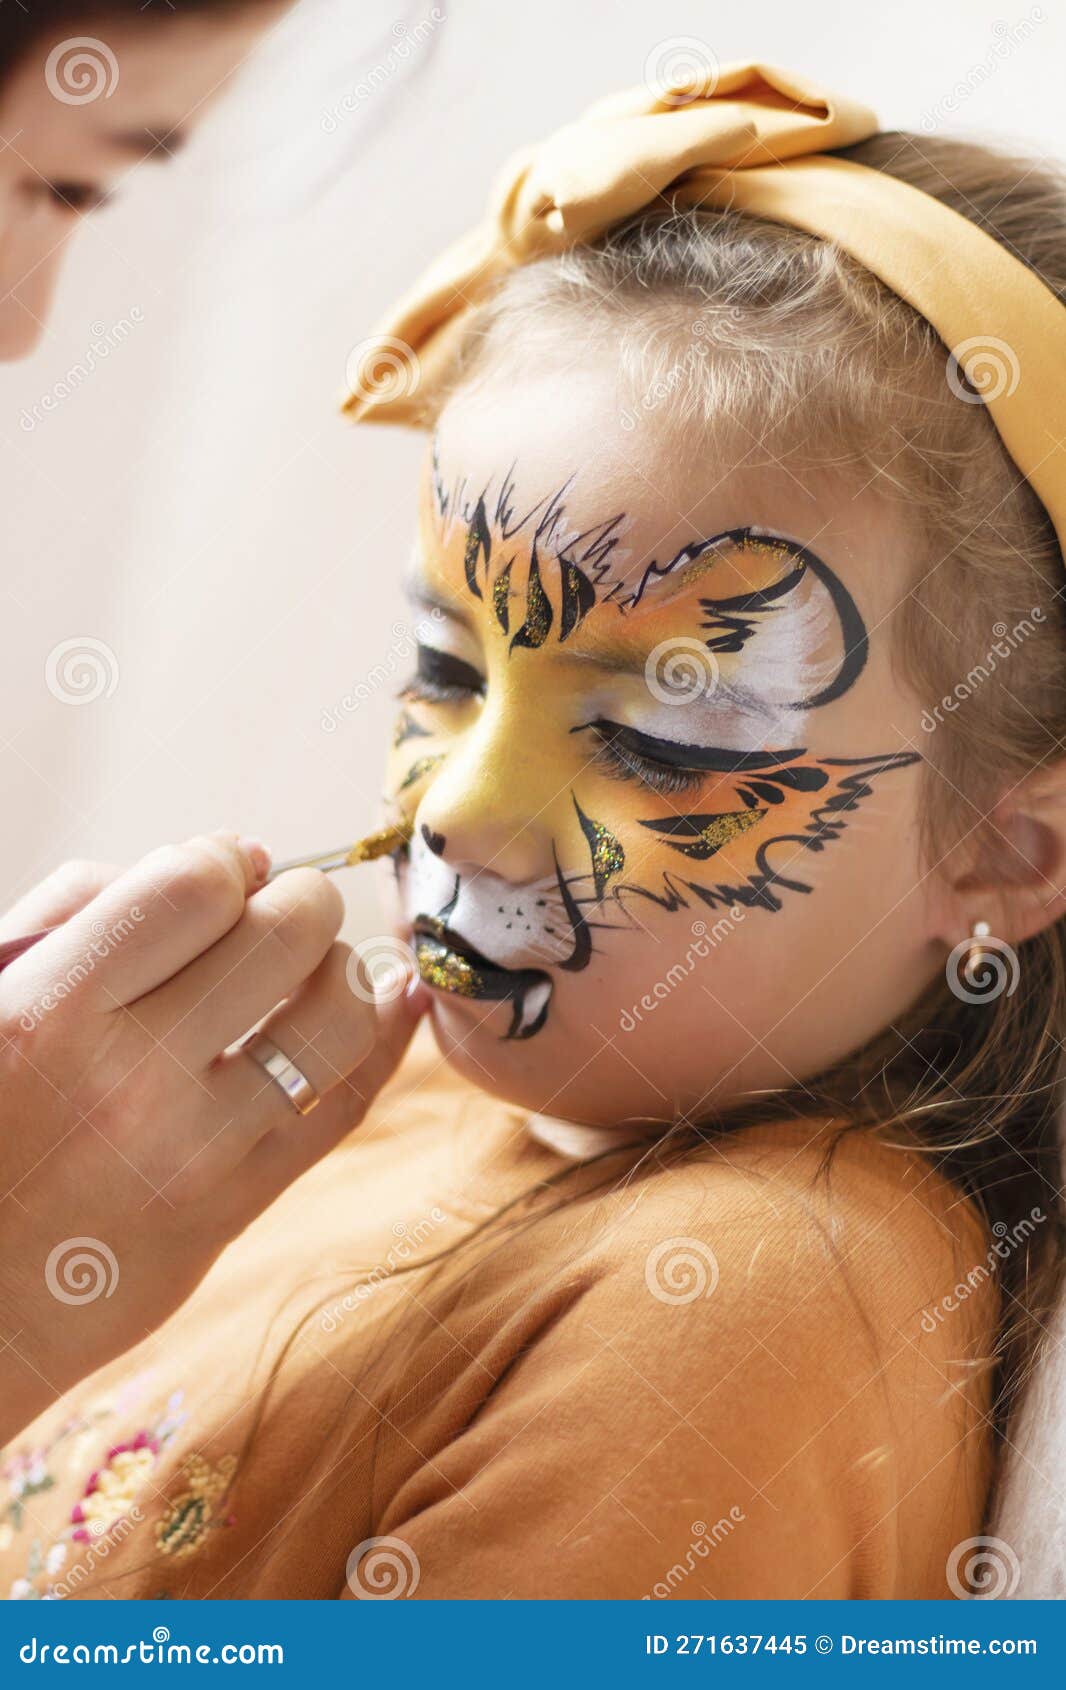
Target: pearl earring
{"points": [[979, 932]]}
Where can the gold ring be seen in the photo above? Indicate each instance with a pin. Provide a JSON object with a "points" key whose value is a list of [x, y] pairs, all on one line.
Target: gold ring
{"points": [[296, 1086]]}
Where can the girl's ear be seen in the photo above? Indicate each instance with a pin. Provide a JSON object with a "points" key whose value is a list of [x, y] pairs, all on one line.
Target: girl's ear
{"points": [[1012, 873]]}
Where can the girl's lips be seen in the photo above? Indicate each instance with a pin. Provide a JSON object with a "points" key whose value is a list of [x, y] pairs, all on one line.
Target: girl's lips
{"points": [[432, 927], [449, 964]]}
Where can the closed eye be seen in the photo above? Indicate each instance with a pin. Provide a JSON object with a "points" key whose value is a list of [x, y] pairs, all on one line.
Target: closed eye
{"points": [[667, 765], [442, 678], [617, 758]]}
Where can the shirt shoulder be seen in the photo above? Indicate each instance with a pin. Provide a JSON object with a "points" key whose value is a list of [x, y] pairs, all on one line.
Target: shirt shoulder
{"points": [[840, 1235], [758, 1346]]}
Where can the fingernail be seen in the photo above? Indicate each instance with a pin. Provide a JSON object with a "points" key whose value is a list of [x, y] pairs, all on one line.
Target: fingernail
{"points": [[258, 855]]}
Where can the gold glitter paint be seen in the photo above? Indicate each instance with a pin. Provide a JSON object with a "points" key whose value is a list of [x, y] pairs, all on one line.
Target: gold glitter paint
{"points": [[730, 826], [537, 625], [712, 561], [501, 592], [421, 766], [579, 597], [767, 559], [478, 544], [381, 843], [775, 549], [608, 856], [684, 834], [442, 968]]}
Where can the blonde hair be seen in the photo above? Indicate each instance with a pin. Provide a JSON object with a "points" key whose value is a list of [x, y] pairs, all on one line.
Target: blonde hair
{"points": [[775, 342]]}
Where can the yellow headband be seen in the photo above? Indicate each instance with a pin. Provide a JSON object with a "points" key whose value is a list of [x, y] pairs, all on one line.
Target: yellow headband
{"points": [[754, 138]]}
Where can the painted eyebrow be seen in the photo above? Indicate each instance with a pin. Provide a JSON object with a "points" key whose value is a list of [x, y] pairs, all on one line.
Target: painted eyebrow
{"points": [[675, 571], [617, 660]]}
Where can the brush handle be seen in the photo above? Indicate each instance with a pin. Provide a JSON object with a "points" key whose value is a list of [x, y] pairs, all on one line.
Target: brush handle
{"points": [[325, 862]]}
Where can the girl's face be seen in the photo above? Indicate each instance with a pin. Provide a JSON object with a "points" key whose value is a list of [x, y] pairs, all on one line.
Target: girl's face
{"points": [[663, 780]]}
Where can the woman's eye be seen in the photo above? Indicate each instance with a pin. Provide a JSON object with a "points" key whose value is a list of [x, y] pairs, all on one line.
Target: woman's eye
{"points": [[80, 197], [617, 753], [440, 678]]}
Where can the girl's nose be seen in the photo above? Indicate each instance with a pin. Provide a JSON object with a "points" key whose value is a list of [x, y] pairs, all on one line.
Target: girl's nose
{"points": [[492, 803]]}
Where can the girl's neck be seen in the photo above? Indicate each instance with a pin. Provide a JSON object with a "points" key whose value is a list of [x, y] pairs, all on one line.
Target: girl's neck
{"points": [[573, 1141]]}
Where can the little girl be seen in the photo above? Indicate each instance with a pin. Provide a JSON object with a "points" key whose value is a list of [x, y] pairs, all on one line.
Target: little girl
{"points": [[701, 1250]]}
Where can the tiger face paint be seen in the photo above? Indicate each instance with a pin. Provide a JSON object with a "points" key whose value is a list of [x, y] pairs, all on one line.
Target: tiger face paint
{"points": [[621, 725]]}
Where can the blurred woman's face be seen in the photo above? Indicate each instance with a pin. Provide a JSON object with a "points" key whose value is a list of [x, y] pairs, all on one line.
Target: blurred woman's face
{"points": [[77, 112]]}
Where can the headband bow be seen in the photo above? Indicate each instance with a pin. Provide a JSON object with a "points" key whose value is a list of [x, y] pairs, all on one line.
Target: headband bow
{"points": [[754, 138]]}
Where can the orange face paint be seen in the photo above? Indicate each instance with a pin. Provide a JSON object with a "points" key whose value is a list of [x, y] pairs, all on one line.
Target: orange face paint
{"points": [[651, 719]]}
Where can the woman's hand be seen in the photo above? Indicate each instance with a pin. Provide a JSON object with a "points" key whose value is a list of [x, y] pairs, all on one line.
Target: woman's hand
{"points": [[131, 1149]]}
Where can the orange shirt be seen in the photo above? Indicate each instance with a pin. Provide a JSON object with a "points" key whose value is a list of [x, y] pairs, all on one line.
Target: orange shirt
{"points": [[729, 1378]]}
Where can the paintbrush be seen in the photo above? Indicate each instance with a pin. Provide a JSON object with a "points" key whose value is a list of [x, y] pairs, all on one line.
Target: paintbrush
{"points": [[381, 843]]}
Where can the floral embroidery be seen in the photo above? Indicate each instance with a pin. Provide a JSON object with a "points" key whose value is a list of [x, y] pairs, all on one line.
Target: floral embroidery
{"points": [[27, 1475], [112, 1489], [109, 1493], [107, 1508], [190, 1516]]}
